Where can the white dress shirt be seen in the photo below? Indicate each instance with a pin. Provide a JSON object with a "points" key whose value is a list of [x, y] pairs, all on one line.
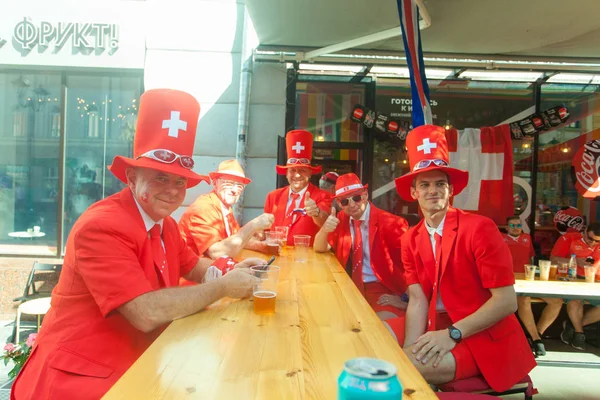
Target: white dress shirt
{"points": [[367, 271], [439, 306]]}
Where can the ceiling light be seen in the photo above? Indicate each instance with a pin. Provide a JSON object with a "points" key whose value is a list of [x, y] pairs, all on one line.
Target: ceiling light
{"points": [[402, 72], [331, 67], [501, 76], [571, 78]]}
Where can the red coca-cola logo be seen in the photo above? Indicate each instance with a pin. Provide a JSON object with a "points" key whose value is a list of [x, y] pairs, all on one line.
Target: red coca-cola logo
{"points": [[393, 126], [562, 112], [358, 113], [569, 219], [537, 122], [586, 163]]}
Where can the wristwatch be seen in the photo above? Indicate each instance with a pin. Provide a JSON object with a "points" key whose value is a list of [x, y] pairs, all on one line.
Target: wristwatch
{"points": [[455, 334]]}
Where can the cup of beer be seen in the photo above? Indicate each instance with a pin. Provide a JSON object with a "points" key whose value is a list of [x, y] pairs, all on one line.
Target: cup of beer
{"points": [[273, 241], [264, 293], [590, 273], [544, 270], [301, 244], [530, 272], [553, 271], [283, 232]]}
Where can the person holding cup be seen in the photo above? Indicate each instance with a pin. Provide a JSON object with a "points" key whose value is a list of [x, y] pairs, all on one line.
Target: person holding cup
{"points": [[521, 250], [366, 240]]}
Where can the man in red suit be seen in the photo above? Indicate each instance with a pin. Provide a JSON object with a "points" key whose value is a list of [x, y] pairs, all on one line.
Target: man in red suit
{"points": [[460, 317], [366, 240], [301, 206], [209, 226], [521, 250], [124, 258]]}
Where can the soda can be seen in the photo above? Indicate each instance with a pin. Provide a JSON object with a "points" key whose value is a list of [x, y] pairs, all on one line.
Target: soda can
{"points": [[369, 379]]}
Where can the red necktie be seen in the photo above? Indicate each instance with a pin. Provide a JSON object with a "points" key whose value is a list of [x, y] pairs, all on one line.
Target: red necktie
{"points": [[432, 304], [357, 257], [231, 223], [158, 252], [289, 215]]}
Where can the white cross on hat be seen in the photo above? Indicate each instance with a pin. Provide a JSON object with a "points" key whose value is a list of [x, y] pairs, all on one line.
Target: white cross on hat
{"points": [[298, 147], [426, 146], [174, 124]]}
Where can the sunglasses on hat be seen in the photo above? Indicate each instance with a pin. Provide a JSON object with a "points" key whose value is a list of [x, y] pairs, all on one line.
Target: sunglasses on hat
{"points": [[168, 157], [515, 225], [426, 163], [357, 198], [298, 161]]}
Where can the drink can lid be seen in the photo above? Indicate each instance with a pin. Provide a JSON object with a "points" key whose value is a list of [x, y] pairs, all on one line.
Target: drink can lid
{"points": [[370, 368]]}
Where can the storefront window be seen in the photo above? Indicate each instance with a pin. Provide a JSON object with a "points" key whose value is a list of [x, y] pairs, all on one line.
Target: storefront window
{"points": [[31, 108], [556, 179]]}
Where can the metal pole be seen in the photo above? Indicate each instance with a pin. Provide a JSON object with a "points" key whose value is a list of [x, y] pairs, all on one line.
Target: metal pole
{"points": [[537, 99]]}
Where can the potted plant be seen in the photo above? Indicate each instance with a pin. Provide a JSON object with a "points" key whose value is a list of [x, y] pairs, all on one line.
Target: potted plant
{"points": [[18, 354]]}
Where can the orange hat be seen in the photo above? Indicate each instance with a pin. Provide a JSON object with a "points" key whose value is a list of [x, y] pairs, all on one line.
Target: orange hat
{"points": [[348, 184], [230, 169], [428, 151], [299, 145], [164, 136]]}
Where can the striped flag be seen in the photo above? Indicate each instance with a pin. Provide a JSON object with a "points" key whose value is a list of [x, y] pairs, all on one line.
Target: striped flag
{"points": [[411, 35]]}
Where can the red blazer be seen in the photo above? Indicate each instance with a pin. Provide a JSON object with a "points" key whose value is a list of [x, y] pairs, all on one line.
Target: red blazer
{"points": [[385, 231], [276, 204], [85, 345], [474, 259], [202, 225]]}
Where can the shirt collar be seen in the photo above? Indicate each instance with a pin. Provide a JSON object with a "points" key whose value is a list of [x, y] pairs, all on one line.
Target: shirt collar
{"points": [[437, 230], [365, 215], [301, 193], [148, 222]]}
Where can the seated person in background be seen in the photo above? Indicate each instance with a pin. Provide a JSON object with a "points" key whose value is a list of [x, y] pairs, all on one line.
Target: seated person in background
{"points": [[366, 240], [583, 245], [460, 320], [209, 226], [301, 206], [521, 249], [327, 182]]}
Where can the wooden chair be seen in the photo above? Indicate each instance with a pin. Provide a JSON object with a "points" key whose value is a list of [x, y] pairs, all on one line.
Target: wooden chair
{"points": [[478, 385], [33, 301]]}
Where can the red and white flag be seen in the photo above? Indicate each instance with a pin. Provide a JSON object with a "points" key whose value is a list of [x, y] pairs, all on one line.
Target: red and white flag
{"points": [[487, 154]]}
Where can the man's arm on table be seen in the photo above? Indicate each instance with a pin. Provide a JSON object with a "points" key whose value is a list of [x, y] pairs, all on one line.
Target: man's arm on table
{"points": [[416, 314], [154, 309]]}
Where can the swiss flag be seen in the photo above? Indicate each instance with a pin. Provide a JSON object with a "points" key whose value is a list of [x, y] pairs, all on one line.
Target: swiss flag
{"points": [[487, 154]]}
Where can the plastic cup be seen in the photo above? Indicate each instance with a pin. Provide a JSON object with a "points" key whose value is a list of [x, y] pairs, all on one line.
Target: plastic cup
{"points": [[529, 272], [301, 244], [283, 231], [590, 273], [553, 272], [264, 293], [36, 229], [273, 242], [544, 270]]}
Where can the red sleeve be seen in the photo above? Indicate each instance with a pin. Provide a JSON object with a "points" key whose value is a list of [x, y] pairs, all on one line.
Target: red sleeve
{"points": [[408, 261], [492, 255], [108, 263], [332, 238], [269, 203], [531, 249], [203, 227], [325, 202], [187, 258], [562, 247]]}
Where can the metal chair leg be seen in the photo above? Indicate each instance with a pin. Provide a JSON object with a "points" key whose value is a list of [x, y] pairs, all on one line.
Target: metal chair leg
{"points": [[38, 327], [17, 326]]}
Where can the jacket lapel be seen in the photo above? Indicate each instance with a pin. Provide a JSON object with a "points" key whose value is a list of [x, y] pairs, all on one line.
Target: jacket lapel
{"points": [[346, 239], [448, 237], [373, 226], [282, 205], [426, 252]]}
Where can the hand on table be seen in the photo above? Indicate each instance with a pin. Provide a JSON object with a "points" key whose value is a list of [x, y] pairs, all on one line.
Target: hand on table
{"points": [[392, 300], [433, 346], [239, 283], [250, 262]]}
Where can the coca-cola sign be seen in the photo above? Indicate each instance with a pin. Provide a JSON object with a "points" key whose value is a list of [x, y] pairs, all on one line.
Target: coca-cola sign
{"points": [[569, 219], [586, 164]]}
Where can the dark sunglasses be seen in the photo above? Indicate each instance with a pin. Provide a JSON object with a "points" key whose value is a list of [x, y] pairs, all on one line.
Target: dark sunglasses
{"points": [[168, 157], [356, 199], [515, 225]]}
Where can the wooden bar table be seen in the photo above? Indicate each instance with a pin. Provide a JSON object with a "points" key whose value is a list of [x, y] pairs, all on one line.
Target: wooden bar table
{"points": [[229, 352], [571, 290]]}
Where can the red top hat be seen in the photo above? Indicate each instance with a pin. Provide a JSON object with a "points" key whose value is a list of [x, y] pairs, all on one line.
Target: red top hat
{"points": [[348, 184], [428, 151], [299, 151], [230, 169], [164, 136]]}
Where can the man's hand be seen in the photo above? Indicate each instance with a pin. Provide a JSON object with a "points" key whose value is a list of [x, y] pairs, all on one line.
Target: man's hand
{"points": [[433, 346], [331, 222], [263, 221], [311, 206], [392, 300], [250, 262], [238, 283]]}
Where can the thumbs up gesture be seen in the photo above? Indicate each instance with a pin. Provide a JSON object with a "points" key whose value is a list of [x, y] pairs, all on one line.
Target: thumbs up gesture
{"points": [[311, 206], [331, 222]]}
